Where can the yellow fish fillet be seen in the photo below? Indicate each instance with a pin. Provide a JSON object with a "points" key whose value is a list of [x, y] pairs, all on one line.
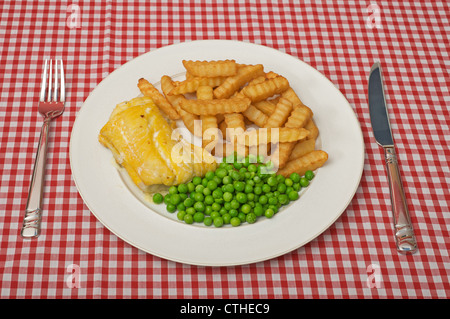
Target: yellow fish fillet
{"points": [[142, 141]]}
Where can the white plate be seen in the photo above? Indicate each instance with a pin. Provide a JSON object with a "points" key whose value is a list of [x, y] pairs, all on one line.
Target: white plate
{"points": [[152, 229]]}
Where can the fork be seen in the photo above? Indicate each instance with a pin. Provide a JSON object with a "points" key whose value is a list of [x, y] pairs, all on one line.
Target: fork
{"points": [[51, 105]]}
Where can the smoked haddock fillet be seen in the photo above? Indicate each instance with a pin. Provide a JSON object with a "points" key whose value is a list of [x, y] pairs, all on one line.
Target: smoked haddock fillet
{"points": [[142, 142]]}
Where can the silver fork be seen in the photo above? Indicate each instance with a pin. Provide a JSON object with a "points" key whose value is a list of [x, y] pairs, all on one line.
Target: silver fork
{"points": [[51, 105]]}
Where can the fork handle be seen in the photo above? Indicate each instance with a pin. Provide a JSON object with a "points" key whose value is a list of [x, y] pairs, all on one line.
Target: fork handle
{"points": [[31, 227]]}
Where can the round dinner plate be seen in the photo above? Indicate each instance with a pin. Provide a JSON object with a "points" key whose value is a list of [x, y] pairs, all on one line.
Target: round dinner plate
{"points": [[150, 228]]}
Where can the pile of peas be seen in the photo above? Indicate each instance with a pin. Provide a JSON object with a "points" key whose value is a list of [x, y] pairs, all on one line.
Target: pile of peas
{"points": [[240, 190]]}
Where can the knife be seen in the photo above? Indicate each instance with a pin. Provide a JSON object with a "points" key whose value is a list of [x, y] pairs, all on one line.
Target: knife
{"points": [[404, 233]]}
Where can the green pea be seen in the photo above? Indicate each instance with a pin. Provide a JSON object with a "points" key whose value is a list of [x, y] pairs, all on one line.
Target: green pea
{"points": [[199, 188], [173, 190], [199, 206], [218, 180], [235, 204], [293, 195], [226, 218], [158, 198], [188, 202], [180, 215], [197, 180], [295, 177], [171, 208], [309, 175], [175, 199], [216, 207], [258, 210], [182, 188], [214, 215], [242, 217], [188, 219], [241, 198], [235, 221], [218, 221], [304, 182], [235, 175], [227, 196], [266, 188], [273, 200], [257, 190], [209, 175], [181, 206], [288, 181], [206, 191], [191, 187], [208, 210], [252, 168], [246, 208], [282, 188], [269, 213], [190, 210], [221, 173], [228, 188], [198, 197], [272, 181], [208, 221], [239, 186], [227, 180], [233, 212], [250, 218], [198, 217], [248, 188], [283, 199], [167, 199], [209, 200], [263, 199], [217, 193]]}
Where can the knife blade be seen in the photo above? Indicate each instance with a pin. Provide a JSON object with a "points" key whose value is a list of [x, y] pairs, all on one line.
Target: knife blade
{"points": [[404, 234]]}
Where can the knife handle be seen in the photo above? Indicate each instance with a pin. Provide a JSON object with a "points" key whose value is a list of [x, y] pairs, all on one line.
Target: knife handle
{"points": [[404, 233]]}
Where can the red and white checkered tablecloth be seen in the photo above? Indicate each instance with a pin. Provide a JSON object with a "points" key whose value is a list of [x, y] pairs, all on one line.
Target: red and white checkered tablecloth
{"points": [[341, 39]]}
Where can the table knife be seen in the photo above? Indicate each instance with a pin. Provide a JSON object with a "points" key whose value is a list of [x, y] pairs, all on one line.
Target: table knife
{"points": [[404, 233]]}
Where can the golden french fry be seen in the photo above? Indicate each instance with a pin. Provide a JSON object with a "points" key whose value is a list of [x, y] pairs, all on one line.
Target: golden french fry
{"points": [[299, 116], [205, 92], [211, 68], [265, 106], [266, 89], [272, 135], [233, 83], [310, 161], [257, 80], [235, 125], [281, 154], [223, 128], [188, 119], [293, 97], [302, 148], [255, 115], [210, 130], [271, 75], [312, 128], [149, 90], [280, 114], [213, 107], [191, 85]]}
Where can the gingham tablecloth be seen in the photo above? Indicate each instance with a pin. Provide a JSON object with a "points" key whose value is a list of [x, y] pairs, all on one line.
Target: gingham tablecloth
{"points": [[354, 258]]}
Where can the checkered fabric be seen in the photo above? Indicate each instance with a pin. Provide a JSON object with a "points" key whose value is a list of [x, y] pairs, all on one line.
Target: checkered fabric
{"points": [[341, 39]]}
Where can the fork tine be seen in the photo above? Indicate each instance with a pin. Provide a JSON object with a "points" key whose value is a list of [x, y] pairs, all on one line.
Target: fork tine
{"points": [[43, 82], [49, 96], [62, 83], [55, 89]]}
